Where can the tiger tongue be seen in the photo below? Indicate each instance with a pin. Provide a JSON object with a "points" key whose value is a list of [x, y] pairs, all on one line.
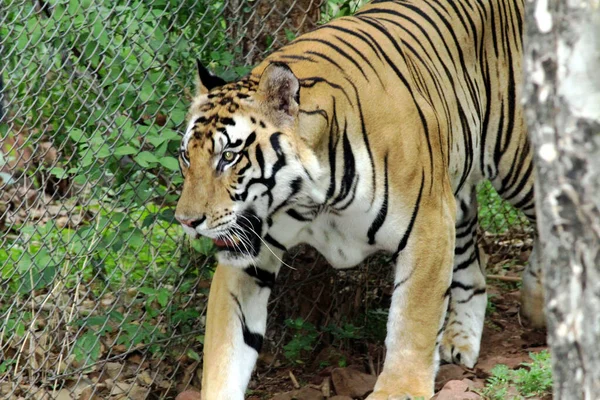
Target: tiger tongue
{"points": [[223, 242]]}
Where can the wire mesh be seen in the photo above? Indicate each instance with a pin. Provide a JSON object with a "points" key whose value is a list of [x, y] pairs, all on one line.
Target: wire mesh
{"points": [[101, 296]]}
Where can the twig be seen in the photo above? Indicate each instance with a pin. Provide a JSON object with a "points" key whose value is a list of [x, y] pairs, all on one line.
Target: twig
{"points": [[326, 388], [371, 366], [294, 380], [505, 278]]}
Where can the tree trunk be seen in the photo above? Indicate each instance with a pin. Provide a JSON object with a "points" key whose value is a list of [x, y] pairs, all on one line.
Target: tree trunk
{"points": [[562, 96]]}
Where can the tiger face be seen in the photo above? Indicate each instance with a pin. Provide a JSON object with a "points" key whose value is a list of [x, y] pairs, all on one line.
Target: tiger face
{"points": [[243, 162]]}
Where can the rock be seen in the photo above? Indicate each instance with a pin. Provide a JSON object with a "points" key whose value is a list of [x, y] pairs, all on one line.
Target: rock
{"points": [[188, 395], [475, 385], [511, 360], [457, 386], [352, 383], [306, 393], [340, 398], [457, 390], [328, 356], [449, 372]]}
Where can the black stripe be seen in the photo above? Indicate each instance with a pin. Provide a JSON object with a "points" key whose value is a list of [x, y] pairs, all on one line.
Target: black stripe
{"points": [[460, 285], [272, 241], [515, 169], [252, 339], [528, 197], [381, 215], [250, 139], [475, 293], [524, 181], [322, 113], [296, 215], [332, 154], [227, 121], [462, 249], [404, 240], [336, 48], [403, 281], [312, 81], [296, 186], [356, 35], [264, 278], [326, 58], [349, 175], [467, 263]]}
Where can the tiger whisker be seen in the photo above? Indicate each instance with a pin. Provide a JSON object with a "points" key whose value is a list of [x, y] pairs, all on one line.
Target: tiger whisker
{"points": [[249, 228]]}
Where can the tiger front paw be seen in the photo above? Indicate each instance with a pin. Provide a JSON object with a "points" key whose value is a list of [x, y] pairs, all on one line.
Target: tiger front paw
{"points": [[459, 347]]}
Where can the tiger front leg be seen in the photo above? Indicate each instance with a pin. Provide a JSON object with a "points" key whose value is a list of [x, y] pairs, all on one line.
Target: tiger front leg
{"points": [[419, 304], [235, 328]]}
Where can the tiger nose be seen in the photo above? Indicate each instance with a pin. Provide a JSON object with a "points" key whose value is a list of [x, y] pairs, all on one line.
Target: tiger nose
{"points": [[191, 222]]}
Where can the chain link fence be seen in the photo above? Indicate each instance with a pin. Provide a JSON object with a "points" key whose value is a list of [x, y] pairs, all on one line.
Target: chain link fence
{"points": [[101, 296]]}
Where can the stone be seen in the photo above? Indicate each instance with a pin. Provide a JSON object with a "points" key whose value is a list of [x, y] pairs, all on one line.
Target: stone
{"points": [[188, 395], [449, 372], [457, 390], [352, 383], [306, 393]]}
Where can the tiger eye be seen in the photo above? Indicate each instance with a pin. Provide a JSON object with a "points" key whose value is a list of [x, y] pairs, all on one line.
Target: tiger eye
{"points": [[228, 155]]}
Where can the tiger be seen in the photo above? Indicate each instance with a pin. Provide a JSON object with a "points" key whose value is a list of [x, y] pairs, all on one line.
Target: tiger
{"points": [[368, 134]]}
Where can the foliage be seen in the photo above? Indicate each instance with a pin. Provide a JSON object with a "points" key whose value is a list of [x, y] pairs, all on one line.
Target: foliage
{"points": [[304, 336], [376, 324], [495, 214], [532, 379], [340, 8]]}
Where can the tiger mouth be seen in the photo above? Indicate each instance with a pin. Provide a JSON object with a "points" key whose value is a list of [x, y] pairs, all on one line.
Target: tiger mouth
{"points": [[243, 239], [226, 243]]}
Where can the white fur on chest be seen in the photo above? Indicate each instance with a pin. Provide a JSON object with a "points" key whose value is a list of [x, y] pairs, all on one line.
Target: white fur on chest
{"points": [[341, 239], [343, 244]]}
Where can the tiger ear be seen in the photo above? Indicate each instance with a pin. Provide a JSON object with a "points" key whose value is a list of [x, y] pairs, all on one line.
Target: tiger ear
{"points": [[205, 81], [279, 91]]}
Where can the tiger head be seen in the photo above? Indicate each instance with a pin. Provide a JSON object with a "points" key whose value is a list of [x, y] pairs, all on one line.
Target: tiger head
{"points": [[243, 161]]}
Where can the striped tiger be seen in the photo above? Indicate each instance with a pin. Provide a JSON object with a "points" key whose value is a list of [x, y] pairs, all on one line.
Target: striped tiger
{"points": [[367, 134]]}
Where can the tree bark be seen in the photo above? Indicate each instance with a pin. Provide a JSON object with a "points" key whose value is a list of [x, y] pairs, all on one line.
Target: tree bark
{"points": [[562, 96]]}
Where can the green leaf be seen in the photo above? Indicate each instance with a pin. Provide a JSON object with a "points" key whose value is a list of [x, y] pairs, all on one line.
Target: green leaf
{"points": [[193, 355], [147, 291], [104, 151], [87, 347], [203, 246], [170, 163], [145, 159], [125, 150], [163, 297], [177, 117], [147, 92], [58, 172], [77, 135], [10, 361]]}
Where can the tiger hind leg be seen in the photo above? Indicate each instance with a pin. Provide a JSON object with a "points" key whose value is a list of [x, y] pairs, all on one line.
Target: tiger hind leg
{"points": [[464, 324], [515, 184]]}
